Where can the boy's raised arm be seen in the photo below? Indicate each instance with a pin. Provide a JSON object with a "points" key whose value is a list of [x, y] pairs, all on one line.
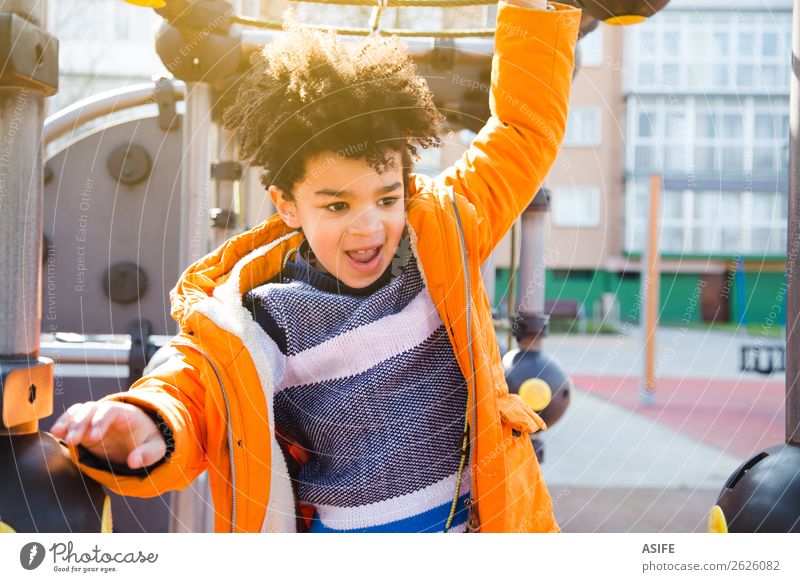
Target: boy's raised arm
{"points": [[531, 77]]}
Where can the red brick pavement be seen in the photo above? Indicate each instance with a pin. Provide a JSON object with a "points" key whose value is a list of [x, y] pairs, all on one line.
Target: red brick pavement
{"points": [[738, 416]]}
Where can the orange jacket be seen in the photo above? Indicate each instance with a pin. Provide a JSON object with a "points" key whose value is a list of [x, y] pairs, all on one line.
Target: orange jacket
{"points": [[216, 396]]}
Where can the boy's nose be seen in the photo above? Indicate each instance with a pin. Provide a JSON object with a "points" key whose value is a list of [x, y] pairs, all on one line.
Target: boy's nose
{"points": [[365, 224]]}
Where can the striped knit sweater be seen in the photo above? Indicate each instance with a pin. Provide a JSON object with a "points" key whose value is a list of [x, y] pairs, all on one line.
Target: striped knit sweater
{"points": [[366, 380]]}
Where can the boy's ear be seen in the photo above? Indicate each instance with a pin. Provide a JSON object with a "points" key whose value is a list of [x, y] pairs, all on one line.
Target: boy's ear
{"points": [[286, 208]]}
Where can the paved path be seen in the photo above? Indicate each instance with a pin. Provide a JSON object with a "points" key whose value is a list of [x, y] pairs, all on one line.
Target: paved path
{"points": [[614, 464], [680, 352]]}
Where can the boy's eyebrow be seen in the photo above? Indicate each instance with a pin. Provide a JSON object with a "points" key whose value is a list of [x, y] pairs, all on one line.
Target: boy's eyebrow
{"points": [[345, 193]]}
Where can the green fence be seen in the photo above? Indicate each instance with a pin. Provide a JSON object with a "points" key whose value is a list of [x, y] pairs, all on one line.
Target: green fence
{"points": [[680, 294]]}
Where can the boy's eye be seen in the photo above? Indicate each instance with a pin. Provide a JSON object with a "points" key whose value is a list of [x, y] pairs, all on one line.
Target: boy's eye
{"points": [[342, 206], [389, 201], [336, 206]]}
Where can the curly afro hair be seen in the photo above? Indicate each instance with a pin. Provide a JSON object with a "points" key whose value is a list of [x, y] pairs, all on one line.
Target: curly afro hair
{"points": [[309, 92]]}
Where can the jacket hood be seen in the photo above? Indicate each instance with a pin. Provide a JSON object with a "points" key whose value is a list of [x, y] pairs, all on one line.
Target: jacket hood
{"points": [[200, 279]]}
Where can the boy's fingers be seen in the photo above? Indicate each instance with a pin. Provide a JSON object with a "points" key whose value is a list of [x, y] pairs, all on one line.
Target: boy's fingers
{"points": [[97, 426], [83, 413], [75, 434], [148, 453], [64, 421], [110, 417], [107, 414], [80, 417], [59, 428]]}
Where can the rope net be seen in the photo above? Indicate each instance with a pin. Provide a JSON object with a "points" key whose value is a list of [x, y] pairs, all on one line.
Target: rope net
{"points": [[377, 15]]}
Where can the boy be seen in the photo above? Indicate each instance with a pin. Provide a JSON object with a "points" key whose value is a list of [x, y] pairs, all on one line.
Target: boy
{"points": [[336, 367]]}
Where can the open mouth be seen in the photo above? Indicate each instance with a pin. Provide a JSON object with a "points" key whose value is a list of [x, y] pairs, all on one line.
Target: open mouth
{"points": [[365, 260]]}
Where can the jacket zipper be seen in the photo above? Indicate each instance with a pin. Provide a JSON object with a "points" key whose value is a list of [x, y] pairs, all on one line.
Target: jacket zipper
{"points": [[203, 353], [473, 520]]}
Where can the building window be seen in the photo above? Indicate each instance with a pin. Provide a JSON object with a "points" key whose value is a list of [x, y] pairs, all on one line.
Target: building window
{"points": [[576, 206], [728, 51], [704, 222], [583, 127], [687, 135], [591, 48]]}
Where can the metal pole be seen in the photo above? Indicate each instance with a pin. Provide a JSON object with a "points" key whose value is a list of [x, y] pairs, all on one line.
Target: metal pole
{"points": [[21, 218], [189, 508], [26, 381], [512, 280], [195, 179], [227, 189], [793, 245], [488, 272], [529, 303], [650, 293], [531, 262]]}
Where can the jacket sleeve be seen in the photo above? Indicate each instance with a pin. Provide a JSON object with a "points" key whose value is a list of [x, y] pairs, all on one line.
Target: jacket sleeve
{"points": [[508, 160], [175, 393]]}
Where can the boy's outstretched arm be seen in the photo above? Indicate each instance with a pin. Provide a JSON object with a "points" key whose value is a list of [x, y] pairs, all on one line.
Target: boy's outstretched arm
{"points": [[148, 440], [531, 77]]}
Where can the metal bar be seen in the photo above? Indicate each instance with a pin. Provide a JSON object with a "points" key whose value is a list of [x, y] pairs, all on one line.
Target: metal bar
{"points": [[489, 275], [404, 3], [512, 280], [195, 179], [226, 190], [468, 51], [452, 33], [87, 353], [21, 221], [793, 245], [112, 349], [531, 270], [21, 213], [91, 108]]}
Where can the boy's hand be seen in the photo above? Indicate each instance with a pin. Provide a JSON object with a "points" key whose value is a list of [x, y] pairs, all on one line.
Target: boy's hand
{"points": [[120, 432]]}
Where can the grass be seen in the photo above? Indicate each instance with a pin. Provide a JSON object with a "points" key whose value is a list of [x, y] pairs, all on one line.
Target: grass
{"points": [[754, 329]]}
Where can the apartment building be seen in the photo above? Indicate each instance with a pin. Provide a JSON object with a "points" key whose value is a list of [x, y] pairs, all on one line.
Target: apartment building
{"points": [[697, 95]]}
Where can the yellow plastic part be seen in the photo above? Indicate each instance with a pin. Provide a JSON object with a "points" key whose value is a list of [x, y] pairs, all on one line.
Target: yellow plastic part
{"points": [[716, 521], [625, 19], [148, 3], [106, 523], [536, 393]]}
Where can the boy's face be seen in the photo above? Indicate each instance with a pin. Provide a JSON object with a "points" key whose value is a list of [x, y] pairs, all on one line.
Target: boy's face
{"points": [[352, 216]]}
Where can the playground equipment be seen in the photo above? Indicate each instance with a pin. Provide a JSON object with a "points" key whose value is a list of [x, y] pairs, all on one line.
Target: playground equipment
{"points": [[40, 489], [196, 201], [620, 12], [762, 494], [538, 378]]}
